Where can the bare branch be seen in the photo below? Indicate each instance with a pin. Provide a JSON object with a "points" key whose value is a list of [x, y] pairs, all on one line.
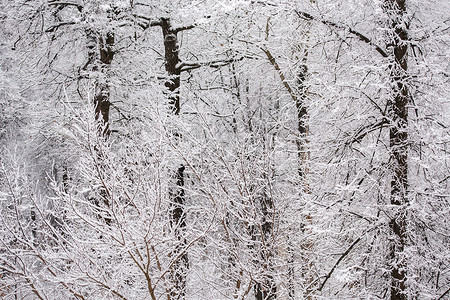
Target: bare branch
{"points": [[442, 296], [264, 3], [187, 27], [66, 3], [274, 63], [361, 36], [56, 26], [148, 22], [338, 261], [365, 130], [190, 65]]}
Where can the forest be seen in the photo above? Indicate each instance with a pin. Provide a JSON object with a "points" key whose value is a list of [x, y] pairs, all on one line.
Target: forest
{"points": [[225, 149]]}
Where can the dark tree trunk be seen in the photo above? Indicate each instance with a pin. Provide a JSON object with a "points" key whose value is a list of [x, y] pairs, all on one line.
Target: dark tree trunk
{"points": [[100, 56], [299, 97], [398, 137], [100, 62], [302, 125], [262, 241], [176, 193], [102, 94], [172, 59], [266, 289], [303, 157]]}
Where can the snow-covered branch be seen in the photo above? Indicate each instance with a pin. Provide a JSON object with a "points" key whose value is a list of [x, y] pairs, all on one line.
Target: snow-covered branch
{"points": [[362, 37], [54, 27], [217, 63], [77, 4]]}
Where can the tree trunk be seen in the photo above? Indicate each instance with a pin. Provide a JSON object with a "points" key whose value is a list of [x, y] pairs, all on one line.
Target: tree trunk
{"points": [[266, 289], [100, 55], [303, 157], [176, 194], [302, 127], [101, 62], [398, 140]]}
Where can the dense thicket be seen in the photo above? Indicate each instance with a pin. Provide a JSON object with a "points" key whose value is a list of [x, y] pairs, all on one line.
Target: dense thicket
{"points": [[224, 149]]}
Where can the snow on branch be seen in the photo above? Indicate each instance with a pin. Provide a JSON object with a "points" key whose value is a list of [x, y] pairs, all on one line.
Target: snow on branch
{"points": [[148, 22], [359, 35], [337, 263], [275, 64], [186, 27], [365, 130], [66, 3], [190, 65], [56, 26], [190, 26]]}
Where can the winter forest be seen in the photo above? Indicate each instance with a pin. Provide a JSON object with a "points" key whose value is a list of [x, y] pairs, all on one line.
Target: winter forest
{"points": [[224, 149]]}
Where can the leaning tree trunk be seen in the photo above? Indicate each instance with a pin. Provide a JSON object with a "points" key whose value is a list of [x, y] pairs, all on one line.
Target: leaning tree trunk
{"points": [[176, 193], [398, 137], [299, 96]]}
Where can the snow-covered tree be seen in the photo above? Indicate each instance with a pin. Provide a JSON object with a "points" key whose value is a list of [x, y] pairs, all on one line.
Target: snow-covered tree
{"points": [[224, 149]]}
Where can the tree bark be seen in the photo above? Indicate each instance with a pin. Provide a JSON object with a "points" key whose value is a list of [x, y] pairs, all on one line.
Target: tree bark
{"points": [[398, 140], [176, 194], [101, 62], [299, 97], [303, 170], [100, 52], [266, 288]]}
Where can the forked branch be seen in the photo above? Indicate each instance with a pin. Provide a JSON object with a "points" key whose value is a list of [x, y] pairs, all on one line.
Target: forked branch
{"points": [[147, 22]]}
